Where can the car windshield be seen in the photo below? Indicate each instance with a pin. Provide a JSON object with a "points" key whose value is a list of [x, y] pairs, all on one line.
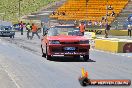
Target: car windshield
{"points": [[63, 31], [5, 28]]}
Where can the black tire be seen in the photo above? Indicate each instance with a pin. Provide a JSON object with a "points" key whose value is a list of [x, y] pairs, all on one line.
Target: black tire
{"points": [[43, 54], [13, 36], [86, 58], [47, 56], [84, 81]]}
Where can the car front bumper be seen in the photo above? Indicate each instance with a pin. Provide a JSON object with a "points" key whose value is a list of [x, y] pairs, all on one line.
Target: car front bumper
{"points": [[6, 34], [58, 49]]}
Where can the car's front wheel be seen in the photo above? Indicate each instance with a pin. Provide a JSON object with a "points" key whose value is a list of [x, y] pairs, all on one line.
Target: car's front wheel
{"points": [[86, 57], [47, 56], [43, 54], [12, 36]]}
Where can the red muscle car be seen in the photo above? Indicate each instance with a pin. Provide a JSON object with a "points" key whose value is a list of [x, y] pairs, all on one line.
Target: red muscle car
{"points": [[64, 40]]}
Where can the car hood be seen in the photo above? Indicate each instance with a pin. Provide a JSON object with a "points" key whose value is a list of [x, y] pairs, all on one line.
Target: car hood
{"points": [[63, 38]]}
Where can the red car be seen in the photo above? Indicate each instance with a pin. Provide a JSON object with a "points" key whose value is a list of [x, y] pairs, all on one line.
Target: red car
{"points": [[64, 40]]}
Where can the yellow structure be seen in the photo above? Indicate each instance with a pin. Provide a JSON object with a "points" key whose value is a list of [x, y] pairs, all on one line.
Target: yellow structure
{"points": [[114, 45], [93, 10], [119, 32]]}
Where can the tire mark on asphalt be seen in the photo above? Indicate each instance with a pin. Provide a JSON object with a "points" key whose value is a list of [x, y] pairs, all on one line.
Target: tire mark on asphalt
{"points": [[23, 44]]}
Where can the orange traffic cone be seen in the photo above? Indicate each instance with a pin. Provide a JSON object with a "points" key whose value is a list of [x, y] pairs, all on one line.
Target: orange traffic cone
{"points": [[86, 74]]}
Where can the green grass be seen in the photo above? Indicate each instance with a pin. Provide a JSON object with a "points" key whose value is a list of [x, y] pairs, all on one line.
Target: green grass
{"points": [[9, 8]]}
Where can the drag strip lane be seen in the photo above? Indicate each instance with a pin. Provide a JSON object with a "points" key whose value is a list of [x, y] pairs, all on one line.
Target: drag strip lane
{"points": [[32, 71]]}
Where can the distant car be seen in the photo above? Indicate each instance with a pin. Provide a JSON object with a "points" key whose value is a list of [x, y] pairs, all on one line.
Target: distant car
{"points": [[7, 31], [65, 40], [16, 27]]}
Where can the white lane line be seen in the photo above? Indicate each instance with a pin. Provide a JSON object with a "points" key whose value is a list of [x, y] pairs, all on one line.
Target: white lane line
{"points": [[12, 77]]}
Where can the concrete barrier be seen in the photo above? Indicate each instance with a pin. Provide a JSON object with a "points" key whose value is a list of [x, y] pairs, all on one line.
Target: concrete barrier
{"points": [[89, 34], [114, 45], [111, 32]]}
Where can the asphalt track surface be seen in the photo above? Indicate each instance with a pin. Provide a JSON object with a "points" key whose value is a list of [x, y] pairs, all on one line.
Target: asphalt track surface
{"points": [[21, 66]]}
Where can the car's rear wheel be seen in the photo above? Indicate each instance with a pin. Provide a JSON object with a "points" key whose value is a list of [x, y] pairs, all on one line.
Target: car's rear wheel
{"points": [[86, 57]]}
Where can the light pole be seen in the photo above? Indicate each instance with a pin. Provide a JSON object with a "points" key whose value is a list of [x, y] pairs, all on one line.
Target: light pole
{"points": [[19, 9]]}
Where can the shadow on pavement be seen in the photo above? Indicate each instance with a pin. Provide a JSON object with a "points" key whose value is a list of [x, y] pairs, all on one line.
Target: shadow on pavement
{"points": [[68, 59]]}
